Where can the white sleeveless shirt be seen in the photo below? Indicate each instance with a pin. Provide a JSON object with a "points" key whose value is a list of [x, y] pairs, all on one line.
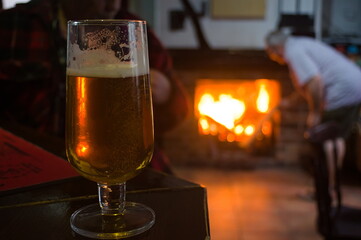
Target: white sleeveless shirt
{"points": [[341, 78]]}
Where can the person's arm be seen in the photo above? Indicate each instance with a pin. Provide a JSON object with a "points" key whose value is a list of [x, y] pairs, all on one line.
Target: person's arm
{"points": [[170, 99], [306, 77], [161, 87], [314, 96]]}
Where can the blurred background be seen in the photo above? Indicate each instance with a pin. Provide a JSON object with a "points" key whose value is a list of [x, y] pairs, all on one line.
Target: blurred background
{"points": [[256, 174]]}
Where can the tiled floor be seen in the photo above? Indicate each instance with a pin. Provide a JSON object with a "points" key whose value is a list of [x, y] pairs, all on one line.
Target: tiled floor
{"points": [[260, 204]]}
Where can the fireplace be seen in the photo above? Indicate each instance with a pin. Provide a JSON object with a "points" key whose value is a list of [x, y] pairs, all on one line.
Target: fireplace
{"points": [[257, 136]]}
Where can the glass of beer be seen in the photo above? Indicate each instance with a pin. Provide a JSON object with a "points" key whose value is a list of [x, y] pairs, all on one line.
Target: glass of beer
{"points": [[109, 121]]}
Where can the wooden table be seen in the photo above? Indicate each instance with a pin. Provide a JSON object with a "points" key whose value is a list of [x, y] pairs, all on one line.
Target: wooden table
{"points": [[44, 212]]}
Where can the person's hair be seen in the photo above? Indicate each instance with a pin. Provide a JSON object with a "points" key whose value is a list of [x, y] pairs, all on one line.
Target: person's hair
{"points": [[276, 38]]}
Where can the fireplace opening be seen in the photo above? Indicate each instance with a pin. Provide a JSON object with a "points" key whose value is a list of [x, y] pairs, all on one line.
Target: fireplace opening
{"points": [[238, 115]]}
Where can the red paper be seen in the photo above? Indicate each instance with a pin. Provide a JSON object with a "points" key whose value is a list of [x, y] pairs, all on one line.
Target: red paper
{"points": [[23, 164]]}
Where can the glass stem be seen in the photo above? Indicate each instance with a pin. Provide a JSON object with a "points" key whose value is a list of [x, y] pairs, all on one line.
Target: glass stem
{"points": [[111, 198]]}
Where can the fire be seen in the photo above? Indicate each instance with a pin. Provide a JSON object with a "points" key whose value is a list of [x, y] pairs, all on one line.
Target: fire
{"points": [[263, 99], [235, 110], [225, 111]]}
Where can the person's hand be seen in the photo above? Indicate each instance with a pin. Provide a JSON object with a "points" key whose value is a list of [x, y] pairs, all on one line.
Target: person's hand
{"points": [[313, 119], [161, 87]]}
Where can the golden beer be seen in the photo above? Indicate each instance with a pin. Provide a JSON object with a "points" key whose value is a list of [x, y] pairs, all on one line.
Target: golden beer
{"points": [[109, 122], [109, 135]]}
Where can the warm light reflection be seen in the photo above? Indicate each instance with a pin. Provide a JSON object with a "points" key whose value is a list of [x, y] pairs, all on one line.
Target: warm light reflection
{"points": [[263, 99], [82, 149], [81, 100], [227, 207]]}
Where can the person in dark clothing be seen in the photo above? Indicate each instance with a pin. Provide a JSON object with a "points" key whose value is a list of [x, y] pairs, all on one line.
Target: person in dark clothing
{"points": [[33, 64]]}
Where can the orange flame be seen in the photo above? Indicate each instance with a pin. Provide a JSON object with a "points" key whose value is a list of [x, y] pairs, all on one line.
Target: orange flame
{"points": [[263, 99], [231, 110], [226, 111]]}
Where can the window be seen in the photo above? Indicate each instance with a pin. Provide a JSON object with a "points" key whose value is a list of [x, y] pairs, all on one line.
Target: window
{"points": [[11, 3]]}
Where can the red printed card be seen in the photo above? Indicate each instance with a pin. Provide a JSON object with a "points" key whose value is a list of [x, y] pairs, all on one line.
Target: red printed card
{"points": [[23, 164]]}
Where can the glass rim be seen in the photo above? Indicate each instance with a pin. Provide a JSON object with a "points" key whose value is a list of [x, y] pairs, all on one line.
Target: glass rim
{"points": [[104, 21]]}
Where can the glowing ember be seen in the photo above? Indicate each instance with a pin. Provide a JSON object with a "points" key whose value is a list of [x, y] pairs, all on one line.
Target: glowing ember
{"points": [[249, 130], [238, 129], [204, 124]]}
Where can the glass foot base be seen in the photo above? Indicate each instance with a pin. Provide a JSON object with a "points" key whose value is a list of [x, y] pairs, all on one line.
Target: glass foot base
{"points": [[89, 222]]}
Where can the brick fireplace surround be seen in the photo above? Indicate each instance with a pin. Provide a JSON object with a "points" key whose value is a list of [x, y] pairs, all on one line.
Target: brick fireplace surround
{"points": [[185, 146]]}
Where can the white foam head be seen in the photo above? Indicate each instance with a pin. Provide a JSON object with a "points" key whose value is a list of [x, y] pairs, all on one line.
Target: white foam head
{"points": [[103, 63], [120, 70]]}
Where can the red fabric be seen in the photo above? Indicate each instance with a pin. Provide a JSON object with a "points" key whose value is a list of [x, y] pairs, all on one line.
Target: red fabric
{"points": [[23, 164]]}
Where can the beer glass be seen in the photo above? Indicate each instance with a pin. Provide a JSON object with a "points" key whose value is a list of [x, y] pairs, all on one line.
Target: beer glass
{"points": [[109, 121]]}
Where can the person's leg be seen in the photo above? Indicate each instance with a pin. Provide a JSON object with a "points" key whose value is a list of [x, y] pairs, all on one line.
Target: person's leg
{"points": [[334, 153], [340, 144], [341, 151], [329, 150]]}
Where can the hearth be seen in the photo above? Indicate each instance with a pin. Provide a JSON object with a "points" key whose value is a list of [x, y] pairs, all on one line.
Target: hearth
{"points": [[202, 140]]}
